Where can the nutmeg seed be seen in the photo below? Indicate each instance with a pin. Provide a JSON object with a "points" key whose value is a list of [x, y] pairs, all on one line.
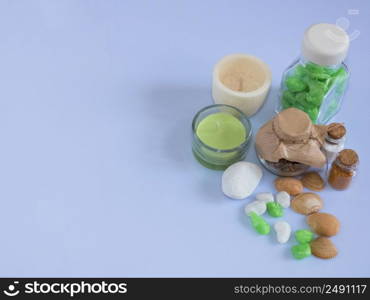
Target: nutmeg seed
{"points": [[307, 203], [323, 224], [323, 247], [313, 181], [290, 185]]}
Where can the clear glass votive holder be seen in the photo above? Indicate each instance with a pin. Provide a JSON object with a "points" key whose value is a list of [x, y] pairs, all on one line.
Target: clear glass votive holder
{"points": [[220, 159]]}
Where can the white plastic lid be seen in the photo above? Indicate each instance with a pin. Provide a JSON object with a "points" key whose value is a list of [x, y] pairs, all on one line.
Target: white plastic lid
{"points": [[325, 44]]}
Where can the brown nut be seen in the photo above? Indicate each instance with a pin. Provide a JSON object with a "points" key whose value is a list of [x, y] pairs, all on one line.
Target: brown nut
{"points": [[323, 224], [313, 181], [288, 184], [323, 247], [307, 203]]}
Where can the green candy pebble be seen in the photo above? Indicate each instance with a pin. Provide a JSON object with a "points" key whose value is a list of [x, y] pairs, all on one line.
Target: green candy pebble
{"points": [[303, 236], [315, 99], [301, 251], [327, 83], [300, 71], [295, 84], [288, 97], [313, 68], [300, 97], [259, 224], [274, 209], [313, 113], [286, 105], [331, 71], [307, 105], [300, 106], [340, 73], [315, 85], [320, 76]]}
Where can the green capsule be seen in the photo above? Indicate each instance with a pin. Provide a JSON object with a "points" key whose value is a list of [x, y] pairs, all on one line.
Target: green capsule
{"points": [[295, 84], [303, 236], [301, 251], [274, 209], [259, 224]]}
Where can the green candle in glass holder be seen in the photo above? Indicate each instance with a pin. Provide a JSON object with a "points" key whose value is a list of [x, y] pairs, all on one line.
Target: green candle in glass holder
{"points": [[221, 131], [220, 136]]}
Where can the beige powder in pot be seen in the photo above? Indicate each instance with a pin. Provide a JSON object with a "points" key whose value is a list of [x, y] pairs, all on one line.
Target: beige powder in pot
{"points": [[243, 75]]}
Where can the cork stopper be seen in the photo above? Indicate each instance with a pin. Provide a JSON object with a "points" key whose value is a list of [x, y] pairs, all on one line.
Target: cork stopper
{"points": [[336, 131], [348, 157], [292, 125]]}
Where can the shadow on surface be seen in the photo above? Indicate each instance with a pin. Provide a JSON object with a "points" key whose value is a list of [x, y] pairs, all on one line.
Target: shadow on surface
{"points": [[173, 108]]}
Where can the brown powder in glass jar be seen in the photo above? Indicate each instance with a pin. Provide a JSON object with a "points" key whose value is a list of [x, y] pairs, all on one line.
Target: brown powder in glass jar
{"points": [[343, 169], [286, 166]]}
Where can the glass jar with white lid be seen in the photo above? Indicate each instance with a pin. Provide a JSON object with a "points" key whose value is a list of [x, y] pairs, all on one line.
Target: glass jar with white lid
{"points": [[317, 80]]}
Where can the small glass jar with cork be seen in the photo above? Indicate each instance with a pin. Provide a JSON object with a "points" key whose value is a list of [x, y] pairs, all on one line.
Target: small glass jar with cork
{"points": [[334, 141], [343, 169]]}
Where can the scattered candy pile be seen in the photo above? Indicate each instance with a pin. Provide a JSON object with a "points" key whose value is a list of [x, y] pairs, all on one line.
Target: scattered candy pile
{"points": [[241, 179]]}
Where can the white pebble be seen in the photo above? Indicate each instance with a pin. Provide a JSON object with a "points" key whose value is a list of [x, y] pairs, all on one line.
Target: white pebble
{"points": [[258, 207], [241, 179], [265, 197], [283, 231], [283, 198]]}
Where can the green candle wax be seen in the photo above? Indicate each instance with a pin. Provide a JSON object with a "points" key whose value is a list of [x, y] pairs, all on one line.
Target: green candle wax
{"points": [[221, 135], [221, 131]]}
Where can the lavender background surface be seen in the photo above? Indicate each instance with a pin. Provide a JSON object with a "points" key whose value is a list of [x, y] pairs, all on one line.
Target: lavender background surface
{"points": [[97, 175]]}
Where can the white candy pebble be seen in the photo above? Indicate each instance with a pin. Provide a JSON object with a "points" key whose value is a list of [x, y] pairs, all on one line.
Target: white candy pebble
{"points": [[283, 198], [265, 197], [241, 179], [283, 231], [258, 207]]}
